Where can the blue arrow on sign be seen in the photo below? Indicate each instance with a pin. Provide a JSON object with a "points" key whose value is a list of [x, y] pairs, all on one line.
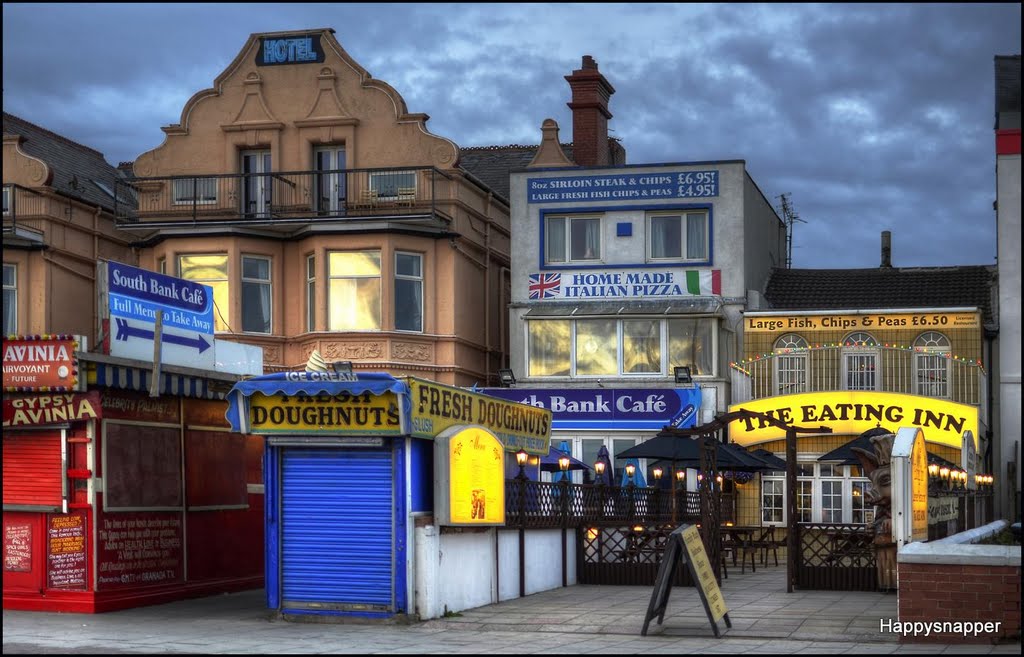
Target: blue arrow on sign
{"points": [[125, 331]]}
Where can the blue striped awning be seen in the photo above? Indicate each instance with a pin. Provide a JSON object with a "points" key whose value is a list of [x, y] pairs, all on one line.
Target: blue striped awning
{"points": [[135, 378]]}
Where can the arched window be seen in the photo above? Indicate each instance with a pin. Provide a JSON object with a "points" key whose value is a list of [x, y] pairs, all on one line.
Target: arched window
{"points": [[931, 365], [860, 362], [790, 364]]}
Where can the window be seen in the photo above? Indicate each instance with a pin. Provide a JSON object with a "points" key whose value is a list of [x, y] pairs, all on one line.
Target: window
{"points": [[831, 493], [931, 364], [825, 493], [201, 191], [790, 364], [353, 291], [7, 199], [329, 182], [210, 270], [614, 347], [596, 347], [408, 292], [387, 183], [161, 265], [773, 500], [678, 236], [256, 187], [10, 299], [860, 362], [550, 347], [256, 294], [311, 293], [859, 503], [572, 239], [641, 346], [691, 342]]}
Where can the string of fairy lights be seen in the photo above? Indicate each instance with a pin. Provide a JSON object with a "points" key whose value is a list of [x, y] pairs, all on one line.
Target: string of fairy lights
{"points": [[787, 351]]}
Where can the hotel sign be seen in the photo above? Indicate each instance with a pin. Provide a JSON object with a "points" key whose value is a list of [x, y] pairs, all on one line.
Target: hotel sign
{"points": [[302, 49], [772, 323], [854, 412], [620, 187]]}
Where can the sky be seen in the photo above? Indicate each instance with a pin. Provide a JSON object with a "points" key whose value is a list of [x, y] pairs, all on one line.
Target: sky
{"points": [[867, 117]]}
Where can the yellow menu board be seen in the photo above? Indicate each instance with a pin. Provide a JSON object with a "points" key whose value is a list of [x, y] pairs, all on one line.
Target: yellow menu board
{"points": [[476, 478]]}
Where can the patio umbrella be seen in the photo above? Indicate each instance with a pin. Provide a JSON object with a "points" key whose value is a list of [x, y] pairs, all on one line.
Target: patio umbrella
{"points": [[770, 459], [549, 462], [638, 476], [685, 451], [844, 454], [554, 455]]}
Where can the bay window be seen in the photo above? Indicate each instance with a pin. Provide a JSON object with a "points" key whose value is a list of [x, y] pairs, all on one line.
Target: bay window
{"points": [[10, 299], [256, 294], [408, 292], [620, 347], [211, 270], [353, 291]]}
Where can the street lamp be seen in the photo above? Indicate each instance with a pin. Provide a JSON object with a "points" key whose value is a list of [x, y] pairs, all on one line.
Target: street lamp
{"points": [[521, 458]]}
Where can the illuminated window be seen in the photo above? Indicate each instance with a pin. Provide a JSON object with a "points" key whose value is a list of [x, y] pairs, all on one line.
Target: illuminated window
{"points": [[931, 365], [10, 299], [691, 342], [790, 364], [773, 500], [550, 347], [256, 294], [210, 270], [613, 347], [860, 362], [825, 493], [353, 290], [572, 239], [678, 236]]}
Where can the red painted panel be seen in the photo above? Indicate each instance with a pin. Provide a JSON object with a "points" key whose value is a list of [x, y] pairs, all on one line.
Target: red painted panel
{"points": [[32, 468], [1007, 142], [226, 544], [24, 560], [139, 548]]}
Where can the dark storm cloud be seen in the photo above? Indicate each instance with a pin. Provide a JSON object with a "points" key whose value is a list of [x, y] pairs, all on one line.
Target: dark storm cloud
{"points": [[870, 117]]}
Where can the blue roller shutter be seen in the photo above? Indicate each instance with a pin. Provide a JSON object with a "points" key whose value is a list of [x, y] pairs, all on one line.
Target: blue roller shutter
{"points": [[337, 548]]}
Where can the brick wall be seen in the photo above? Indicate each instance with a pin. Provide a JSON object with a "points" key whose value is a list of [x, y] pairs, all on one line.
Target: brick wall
{"points": [[956, 593]]}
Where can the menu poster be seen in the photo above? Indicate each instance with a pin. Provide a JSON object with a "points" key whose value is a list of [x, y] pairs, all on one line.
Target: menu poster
{"points": [[18, 548], [65, 551]]}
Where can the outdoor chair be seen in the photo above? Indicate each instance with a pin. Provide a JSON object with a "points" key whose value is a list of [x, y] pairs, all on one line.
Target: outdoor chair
{"points": [[766, 543]]}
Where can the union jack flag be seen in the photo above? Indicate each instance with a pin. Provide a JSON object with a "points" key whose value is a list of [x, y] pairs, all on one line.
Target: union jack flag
{"points": [[545, 286]]}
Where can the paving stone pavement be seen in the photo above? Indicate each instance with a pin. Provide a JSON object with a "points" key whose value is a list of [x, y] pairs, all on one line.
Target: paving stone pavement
{"points": [[573, 620]]}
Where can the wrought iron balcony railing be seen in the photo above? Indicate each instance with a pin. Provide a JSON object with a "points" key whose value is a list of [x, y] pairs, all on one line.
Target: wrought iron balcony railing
{"points": [[282, 197], [908, 371]]}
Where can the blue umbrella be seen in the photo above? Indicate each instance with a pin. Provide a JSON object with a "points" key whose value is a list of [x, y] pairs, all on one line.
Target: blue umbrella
{"points": [[638, 477], [563, 448]]}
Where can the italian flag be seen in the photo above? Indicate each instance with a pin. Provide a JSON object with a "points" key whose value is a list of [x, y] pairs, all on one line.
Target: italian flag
{"points": [[703, 282]]}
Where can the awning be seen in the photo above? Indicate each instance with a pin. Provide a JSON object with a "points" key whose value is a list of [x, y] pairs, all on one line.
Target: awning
{"points": [[312, 384], [136, 378], [690, 306]]}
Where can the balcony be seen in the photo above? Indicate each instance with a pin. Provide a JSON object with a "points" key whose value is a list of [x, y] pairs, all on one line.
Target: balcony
{"points": [[24, 210], [286, 202], [894, 369]]}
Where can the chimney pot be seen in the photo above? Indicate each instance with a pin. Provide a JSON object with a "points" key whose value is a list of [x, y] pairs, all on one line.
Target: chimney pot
{"points": [[886, 248]]}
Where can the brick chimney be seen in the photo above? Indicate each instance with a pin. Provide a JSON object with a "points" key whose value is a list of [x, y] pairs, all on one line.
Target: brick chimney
{"points": [[886, 249], [590, 94]]}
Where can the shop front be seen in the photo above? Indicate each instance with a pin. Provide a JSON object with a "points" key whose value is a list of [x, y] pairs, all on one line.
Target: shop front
{"points": [[350, 467], [116, 498]]}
